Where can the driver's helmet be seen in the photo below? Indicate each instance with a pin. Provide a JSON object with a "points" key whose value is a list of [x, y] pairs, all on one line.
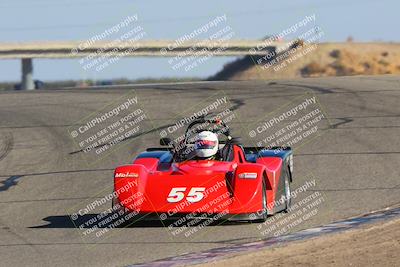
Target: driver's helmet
{"points": [[206, 144]]}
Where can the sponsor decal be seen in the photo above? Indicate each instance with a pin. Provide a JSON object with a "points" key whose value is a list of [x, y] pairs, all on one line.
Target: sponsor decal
{"points": [[248, 175], [126, 175]]}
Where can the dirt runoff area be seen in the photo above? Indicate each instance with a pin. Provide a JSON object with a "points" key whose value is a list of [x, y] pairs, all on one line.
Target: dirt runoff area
{"points": [[371, 245]]}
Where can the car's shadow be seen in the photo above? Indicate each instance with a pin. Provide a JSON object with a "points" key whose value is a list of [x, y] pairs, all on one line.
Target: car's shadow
{"points": [[90, 220]]}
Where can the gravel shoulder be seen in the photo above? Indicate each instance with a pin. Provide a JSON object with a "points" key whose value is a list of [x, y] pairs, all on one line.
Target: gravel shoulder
{"points": [[372, 245]]}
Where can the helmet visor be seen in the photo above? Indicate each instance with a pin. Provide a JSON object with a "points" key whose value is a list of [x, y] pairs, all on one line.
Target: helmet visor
{"points": [[205, 144]]}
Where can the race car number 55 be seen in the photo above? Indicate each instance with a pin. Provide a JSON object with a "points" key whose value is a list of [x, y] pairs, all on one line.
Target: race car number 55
{"points": [[178, 193]]}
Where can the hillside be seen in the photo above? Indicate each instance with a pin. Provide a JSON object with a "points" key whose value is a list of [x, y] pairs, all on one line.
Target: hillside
{"points": [[326, 59]]}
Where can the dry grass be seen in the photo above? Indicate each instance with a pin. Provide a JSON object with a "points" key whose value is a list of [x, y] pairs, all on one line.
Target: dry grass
{"points": [[328, 59]]}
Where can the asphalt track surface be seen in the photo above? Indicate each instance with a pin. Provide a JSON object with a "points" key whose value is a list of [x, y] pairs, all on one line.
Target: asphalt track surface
{"points": [[43, 177]]}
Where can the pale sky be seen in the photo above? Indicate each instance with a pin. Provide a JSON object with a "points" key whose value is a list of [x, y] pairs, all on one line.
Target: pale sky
{"points": [[27, 20]]}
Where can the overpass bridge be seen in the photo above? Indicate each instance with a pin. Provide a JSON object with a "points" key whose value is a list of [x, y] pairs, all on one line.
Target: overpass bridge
{"points": [[27, 51]]}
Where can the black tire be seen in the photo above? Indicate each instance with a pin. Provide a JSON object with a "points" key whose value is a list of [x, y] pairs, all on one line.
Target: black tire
{"points": [[264, 215], [256, 217], [264, 198], [288, 198]]}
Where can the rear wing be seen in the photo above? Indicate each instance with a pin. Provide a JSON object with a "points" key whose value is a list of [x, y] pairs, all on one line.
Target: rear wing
{"points": [[276, 151], [158, 149], [264, 152]]}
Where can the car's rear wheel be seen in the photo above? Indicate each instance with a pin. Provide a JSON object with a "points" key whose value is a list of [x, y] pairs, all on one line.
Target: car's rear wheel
{"points": [[264, 214], [288, 198]]}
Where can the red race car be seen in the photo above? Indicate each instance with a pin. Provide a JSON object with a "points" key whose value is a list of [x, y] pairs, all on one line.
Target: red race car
{"points": [[203, 176]]}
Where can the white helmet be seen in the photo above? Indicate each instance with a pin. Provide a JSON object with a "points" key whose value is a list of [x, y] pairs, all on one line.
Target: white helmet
{"points": [[206, 144]]}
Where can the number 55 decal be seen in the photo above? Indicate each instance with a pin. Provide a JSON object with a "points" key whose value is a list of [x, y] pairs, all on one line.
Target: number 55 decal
{"points": [[178, 193]]}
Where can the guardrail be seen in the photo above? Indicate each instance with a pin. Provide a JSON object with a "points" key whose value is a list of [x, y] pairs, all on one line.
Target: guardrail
{"points": [[158, 48]]}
